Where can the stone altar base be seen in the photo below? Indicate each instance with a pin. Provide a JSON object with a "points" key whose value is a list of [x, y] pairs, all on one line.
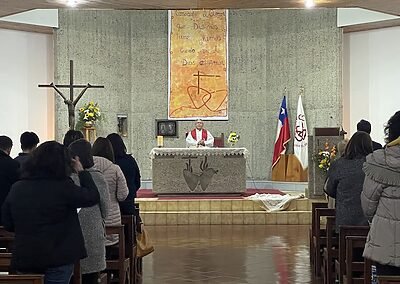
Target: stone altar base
{"points": [[207, 171]]}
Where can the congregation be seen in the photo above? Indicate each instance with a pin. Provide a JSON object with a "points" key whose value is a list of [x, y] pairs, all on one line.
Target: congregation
{"points": [[58, 199], [364, 184]]}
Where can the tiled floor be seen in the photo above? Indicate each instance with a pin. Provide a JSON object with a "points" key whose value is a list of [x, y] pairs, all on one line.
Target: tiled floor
{"points": [[228, 254]]}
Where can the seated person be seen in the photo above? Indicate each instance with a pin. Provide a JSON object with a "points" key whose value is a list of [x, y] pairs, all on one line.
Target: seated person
{"points": [[199, 137]]}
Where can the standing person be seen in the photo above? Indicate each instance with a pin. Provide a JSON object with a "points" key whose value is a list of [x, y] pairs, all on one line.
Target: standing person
{"points": [[8, 169], [346, 178], [131, 171], [103, 157], [365, 126], [380, 200], [199, 137], [92, 218], [29, 142], [41, 209], [71, 136]]}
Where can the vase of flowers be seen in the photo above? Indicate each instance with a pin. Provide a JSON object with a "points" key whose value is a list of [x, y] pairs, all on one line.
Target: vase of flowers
{"points": [[233, 138], [89, 113], [326, 156]]}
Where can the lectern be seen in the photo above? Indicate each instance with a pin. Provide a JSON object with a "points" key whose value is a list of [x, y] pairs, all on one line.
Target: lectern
{"points": [[316, 143]]}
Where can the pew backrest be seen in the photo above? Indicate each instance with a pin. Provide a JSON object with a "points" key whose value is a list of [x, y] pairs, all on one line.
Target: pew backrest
{"points": [[5, 262], [314, 206], [21, 279], [345, 231], [354, 265]]}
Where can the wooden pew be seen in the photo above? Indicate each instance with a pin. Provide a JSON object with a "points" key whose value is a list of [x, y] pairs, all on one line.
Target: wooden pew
{"points": [[388, 279], [6, 240], [314, 205], [345, 231], [21, 279], [360, 267], [319, 239], [121, 263], [77, 276], [138, 260], [5, 262], [130, 243], [330, 252]]}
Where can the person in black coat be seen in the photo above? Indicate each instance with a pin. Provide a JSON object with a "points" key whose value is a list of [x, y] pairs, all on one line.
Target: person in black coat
{"points": [[346, 179], [29, 142], [365, 126], [131, 171], [8, 169], [41, 209]]}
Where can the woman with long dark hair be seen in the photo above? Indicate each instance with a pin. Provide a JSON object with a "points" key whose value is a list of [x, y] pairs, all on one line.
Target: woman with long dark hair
{"points": [[92, 218], [103, 157], [381, 202], [346, 178], [131, 171], [71, 136], [41, 209]]}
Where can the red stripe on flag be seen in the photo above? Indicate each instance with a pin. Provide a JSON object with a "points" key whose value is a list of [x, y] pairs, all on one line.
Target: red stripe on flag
{"points": [[280, 144]]}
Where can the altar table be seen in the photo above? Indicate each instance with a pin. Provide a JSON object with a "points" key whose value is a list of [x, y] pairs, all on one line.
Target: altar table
{"points": [[199, 170]]}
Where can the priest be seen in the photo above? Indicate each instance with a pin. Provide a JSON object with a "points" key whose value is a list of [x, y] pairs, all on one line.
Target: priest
{"points": [[199, 137]]}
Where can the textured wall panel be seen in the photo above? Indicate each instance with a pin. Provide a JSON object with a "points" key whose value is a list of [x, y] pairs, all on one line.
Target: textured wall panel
{"points": [[268, 51]]}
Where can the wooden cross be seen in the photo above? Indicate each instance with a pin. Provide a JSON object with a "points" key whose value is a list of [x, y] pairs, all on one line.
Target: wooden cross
{"points": [[198, 75], [71, 102]]}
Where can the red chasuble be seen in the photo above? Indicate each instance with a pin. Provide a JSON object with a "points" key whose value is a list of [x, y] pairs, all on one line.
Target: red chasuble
{"points": [[203, 134]]}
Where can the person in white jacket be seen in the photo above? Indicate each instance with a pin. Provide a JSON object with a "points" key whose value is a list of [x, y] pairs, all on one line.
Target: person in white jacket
{"points": [[103, 157], [199, 137]]}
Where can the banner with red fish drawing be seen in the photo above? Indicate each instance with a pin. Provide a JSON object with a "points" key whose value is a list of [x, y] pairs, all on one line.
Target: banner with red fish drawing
{"points": [[198, 64]]}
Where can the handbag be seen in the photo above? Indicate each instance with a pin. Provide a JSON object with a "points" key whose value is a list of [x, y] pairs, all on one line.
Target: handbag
{"points": [[144, 245]]}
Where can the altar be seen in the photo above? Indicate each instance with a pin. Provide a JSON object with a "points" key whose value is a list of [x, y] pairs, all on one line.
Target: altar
{"points": [[199, 170]]}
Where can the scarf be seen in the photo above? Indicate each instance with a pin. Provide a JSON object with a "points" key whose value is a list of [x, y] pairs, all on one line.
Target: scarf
{"points": [[203, 134]]}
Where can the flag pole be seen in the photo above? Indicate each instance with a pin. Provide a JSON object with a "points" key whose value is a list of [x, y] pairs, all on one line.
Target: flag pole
{"points": [[285, 94], [301, 91]]}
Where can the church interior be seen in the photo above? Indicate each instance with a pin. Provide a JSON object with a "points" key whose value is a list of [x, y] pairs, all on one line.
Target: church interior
{"points": [[201, 141]]}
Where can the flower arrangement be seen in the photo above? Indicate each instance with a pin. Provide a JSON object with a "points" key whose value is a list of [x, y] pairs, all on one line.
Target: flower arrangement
{"points": [[326, 156], [89, 113], [233, 138]]}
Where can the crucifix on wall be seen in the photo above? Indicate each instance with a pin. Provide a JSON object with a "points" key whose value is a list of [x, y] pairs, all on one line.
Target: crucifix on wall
{"points": [[71, 102]]}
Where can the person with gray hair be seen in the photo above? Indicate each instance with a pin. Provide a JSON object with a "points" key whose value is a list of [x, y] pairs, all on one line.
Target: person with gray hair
{"points": [[199, 137]]}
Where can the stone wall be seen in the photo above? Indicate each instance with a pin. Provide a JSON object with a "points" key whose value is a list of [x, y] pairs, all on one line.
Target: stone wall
{"points": [[268, 50]]}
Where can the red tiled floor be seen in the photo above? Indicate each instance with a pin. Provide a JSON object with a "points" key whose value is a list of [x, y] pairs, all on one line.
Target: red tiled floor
{"points": [[228, 254]]}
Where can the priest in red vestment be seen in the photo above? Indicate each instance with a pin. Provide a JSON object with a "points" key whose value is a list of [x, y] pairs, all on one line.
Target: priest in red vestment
{"points": [[199, 137]]}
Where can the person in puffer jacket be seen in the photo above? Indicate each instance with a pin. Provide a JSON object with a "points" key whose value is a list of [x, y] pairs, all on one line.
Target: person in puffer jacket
{"points": [[380, 200], [103, 157]]}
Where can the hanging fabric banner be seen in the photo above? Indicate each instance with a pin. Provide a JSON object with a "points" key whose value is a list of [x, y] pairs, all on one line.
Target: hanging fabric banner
{"points": [[198, 64]]}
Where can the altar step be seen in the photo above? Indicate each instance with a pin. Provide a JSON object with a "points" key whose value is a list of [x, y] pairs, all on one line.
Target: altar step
{"points": [[221, 212]]}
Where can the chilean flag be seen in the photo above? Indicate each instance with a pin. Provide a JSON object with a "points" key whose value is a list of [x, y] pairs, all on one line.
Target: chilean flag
{"points": [[282, 133]]}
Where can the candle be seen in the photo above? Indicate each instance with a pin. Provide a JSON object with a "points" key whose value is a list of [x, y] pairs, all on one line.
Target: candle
{"points": [[160, 141]]}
